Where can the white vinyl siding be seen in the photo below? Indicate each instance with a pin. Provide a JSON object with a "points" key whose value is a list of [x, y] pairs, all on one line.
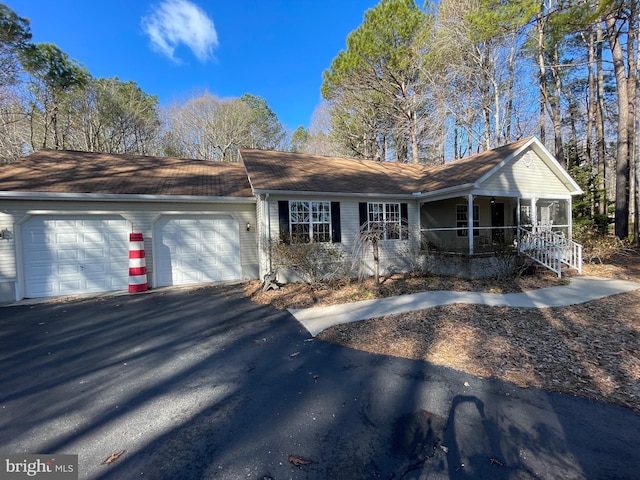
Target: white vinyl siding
{"points": [[141, 217], [527, 174], [395, 255]]}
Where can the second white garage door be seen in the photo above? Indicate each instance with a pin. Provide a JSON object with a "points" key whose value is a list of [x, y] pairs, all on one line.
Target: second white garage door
{"points": [[197, 249]]}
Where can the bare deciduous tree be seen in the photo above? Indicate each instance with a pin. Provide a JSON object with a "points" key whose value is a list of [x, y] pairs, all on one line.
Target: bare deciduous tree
{"points": [[207, 128]]}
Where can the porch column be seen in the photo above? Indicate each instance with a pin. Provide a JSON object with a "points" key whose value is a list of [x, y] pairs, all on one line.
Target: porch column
{"points": [[534, 213], [470, 221], [570, 219], [518, 220]]}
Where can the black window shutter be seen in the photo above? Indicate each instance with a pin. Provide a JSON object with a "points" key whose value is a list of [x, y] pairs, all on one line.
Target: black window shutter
{"points": [[404, 220], [283, 220], [336, 235], [364, 214]]}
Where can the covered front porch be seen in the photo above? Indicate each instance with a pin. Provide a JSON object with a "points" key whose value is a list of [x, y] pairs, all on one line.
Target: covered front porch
{"points": [[476, 224]]}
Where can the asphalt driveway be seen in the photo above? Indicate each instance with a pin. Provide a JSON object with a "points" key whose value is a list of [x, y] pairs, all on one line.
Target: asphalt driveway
{"points": [[203, 384]]}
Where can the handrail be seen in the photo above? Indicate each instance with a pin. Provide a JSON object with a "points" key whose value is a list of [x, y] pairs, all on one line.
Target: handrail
{"points": [[550, 248]]}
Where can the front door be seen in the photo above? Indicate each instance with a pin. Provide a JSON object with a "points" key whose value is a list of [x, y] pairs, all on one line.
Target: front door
{"points": [[497, 220]]}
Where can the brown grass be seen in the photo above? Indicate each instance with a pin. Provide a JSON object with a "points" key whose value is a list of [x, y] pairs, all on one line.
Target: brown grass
{"points": [[591, 350]]}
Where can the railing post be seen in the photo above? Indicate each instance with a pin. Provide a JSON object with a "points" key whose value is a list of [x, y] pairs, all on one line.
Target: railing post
{"points": [[470, 222]]}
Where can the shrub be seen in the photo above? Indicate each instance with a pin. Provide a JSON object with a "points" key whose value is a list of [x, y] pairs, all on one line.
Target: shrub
{"points": [[312, 262], [596, 248]]}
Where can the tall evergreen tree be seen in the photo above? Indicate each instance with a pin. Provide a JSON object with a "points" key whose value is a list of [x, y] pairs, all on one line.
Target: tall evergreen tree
{"points": [[267, 132], [53, 76], [380, 72]]}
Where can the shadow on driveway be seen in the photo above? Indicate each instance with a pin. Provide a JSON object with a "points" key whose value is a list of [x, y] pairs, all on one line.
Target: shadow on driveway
{"points": [[200, 384]]}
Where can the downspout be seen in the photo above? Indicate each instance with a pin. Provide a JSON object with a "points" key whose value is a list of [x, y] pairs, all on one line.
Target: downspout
{"points": [[470, 221]]}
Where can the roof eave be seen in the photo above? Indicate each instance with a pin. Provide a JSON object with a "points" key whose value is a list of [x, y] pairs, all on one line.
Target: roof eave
{"points": [[109, 197], [448, 192], [302, 193]]}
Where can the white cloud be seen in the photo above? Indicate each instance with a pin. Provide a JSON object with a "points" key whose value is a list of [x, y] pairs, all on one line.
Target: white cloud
{"points": [[176, 22]]}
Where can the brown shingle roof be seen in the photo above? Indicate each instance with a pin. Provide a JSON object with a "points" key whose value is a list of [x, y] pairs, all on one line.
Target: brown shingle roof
{"points": [[60, 171], [283, 171]]}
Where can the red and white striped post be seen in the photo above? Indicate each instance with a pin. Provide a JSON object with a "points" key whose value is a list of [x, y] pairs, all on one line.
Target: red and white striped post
{"points": [[137, 266]]}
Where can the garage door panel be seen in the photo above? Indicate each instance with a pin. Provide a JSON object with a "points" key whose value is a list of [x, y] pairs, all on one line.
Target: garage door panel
{"points": [[39, 257], [68, 269], [93, 237], [96, 268], [211, 236], [100, 254], [72, 285], [66, 238], [197, 250], [38, 238], [46, 287], [71, 255], [41, 271], [66, 255]]}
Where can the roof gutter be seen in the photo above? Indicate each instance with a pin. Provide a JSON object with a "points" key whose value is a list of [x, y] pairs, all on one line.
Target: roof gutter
{"points": [[294, 193], [105, 197], [443, 192]]}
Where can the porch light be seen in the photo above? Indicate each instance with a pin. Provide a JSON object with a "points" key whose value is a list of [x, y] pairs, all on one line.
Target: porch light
{"points": [[248, 226], [493, 200]]}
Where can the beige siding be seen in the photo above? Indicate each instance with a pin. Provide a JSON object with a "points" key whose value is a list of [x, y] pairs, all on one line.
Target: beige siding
{"points": [[527, 174], [141, 216]]}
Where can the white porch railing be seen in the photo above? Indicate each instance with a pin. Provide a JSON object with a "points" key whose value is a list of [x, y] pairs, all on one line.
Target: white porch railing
{"points": [[550, 248]]}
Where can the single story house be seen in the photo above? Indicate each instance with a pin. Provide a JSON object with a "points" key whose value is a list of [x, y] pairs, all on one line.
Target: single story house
{"points": [[65, 217]]}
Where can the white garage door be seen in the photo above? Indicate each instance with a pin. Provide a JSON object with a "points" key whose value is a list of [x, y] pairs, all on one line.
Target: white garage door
{"points": [[71, 255], [197, 249]]}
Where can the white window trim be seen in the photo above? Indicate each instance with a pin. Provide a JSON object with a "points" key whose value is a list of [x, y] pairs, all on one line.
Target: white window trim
{"points": [[464, 231], [311, 222], [385, 221]]}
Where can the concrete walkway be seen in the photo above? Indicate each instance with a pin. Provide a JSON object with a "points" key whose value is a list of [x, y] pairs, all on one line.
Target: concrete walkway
{"points": [[580, 290]]}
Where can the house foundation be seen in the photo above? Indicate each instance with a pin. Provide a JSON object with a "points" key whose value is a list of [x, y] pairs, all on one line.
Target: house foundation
{"points": [[472, 267]]}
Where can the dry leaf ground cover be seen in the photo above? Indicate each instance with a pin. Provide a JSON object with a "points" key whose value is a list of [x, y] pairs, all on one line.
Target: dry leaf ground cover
{"points": [[591, 350]]}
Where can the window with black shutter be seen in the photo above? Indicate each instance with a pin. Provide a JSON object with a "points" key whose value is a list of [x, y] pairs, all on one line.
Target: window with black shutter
{"points": [[389, 218], [304, 221]]}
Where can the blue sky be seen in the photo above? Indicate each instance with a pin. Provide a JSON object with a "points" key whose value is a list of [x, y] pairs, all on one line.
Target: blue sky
{"points": [[176, 49]]}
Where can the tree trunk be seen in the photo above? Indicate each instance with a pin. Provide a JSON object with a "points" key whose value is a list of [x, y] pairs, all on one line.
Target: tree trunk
{"points": [[591, 101], [376, 262], [632, 89], [415, 152], [556, 108], [508, 115], [622, 142], [600, 142], [591, 108], [542, 75]]}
